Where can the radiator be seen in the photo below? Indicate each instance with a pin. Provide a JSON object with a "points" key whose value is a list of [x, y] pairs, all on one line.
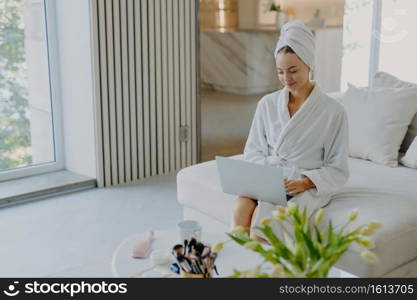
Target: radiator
{"points": [[145, 55]]}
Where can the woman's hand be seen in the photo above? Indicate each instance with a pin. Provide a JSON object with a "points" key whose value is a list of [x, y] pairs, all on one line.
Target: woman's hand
{"points": [[294, 187]]}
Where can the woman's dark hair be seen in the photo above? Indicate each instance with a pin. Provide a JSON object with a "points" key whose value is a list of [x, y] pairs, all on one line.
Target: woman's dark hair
{"points": [[286, 49]]}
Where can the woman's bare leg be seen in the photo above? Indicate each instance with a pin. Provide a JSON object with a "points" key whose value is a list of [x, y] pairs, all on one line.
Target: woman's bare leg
{"points": [[252, 234], [242, 214]]}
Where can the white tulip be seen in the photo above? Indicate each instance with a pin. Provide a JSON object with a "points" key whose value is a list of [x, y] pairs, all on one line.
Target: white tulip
{"points": [[370, 257], [367, 231], [253, 245], [291, 207], [266, 221], [319, 215], [238, 230], [217, 247], [353, 215], [374, 225]]}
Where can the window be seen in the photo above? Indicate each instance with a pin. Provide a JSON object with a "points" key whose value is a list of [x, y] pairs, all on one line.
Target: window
{"points": [[397, 39], [357, 30], [28, 102], [379, 36]]}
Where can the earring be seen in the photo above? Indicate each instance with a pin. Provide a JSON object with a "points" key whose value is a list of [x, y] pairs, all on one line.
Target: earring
{"points": [[311, 75]]}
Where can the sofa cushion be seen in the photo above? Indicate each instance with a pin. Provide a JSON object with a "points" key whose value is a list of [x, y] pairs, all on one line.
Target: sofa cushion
{"points": [[378, 120], [378, 192], [383, 79]]}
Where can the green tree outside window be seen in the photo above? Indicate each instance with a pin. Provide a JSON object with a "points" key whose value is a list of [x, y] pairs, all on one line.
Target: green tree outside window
{"points": [[15, 139]]}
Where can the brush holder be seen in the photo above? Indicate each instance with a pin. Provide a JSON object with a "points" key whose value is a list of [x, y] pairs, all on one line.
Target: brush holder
{"points": [[192, 275]]}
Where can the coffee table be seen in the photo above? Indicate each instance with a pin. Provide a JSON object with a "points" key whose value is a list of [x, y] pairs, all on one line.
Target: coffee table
{"points": [[232, 256]]}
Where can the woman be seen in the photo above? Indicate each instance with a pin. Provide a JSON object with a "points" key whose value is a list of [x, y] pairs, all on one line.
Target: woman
{"points": [[298, 128]]}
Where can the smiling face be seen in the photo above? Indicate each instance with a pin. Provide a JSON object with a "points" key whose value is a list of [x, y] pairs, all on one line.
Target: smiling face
{"points": [[292, 71]]}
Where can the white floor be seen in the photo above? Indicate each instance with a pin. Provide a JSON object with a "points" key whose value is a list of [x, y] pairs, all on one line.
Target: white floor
{"points": [[75, 235]]}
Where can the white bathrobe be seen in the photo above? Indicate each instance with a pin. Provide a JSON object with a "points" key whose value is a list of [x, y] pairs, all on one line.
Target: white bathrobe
{"points": [[314, 143]]}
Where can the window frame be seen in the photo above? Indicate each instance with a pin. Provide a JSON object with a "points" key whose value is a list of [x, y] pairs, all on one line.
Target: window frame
{"points": [[50, 26], [375, 42]]}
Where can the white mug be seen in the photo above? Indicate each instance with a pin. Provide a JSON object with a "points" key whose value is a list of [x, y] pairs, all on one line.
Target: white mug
{"points": [[188, 229]]}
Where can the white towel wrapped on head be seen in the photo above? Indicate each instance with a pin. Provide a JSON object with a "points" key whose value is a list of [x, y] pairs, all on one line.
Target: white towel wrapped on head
{"points": [[299, 38]]}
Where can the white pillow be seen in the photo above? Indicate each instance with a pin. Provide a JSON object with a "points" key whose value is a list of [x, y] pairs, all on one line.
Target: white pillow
{"points": [[410, 157], [378, 120], [383, 79]]}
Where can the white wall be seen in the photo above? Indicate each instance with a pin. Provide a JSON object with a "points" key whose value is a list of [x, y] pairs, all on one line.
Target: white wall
{"points": [[73, 30]]}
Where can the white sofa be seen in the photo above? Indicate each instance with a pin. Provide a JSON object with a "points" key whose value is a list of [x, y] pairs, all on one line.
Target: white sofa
{"points": [[381, 193]]}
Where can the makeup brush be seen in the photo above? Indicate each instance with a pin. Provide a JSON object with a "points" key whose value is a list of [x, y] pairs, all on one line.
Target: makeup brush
{"points": [[175, 268], [179, 263], [206, 252], [191, 245], [183, 262], [201, 266], [199, 248], [185, 247], [178, 249], [212, 258], [199, 270]]}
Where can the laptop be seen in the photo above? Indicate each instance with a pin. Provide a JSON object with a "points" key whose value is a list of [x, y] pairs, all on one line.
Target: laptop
{"points": [[255, 181]]}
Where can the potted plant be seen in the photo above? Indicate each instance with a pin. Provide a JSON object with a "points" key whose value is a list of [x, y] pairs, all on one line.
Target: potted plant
{"points": [[280, 14], [275, 7], [306, 251]]}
